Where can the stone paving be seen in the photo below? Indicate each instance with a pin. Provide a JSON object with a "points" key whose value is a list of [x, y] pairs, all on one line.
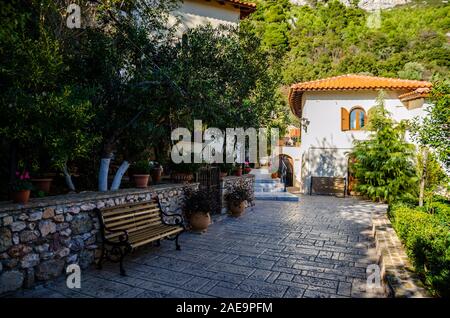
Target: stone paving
{"points": [[318, 247]]}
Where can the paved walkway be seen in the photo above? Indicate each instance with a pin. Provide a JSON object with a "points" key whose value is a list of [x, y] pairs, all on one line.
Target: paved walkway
{"points": [[319, 247]]}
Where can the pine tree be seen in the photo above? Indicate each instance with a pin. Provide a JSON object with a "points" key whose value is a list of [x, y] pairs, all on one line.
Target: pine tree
{"points": [[383, 164]]}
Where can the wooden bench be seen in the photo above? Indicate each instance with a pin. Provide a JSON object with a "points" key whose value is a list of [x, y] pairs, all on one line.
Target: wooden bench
{"points": [[128, 226], [328, 186]]}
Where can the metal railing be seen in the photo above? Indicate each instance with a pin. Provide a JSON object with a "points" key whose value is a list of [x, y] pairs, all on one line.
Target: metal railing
{"points": [[283, 174]]}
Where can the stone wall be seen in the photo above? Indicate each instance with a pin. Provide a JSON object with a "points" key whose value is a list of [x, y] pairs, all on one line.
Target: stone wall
{"points": [[228, 183], [38, 240]]}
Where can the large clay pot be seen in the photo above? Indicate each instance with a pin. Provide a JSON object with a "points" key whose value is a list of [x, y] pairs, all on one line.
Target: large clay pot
{"points": [[42, 184], [156, 175], [21, 196], [182, 177], [238, 172], [141, 180], [237, 208], [200, 221]]}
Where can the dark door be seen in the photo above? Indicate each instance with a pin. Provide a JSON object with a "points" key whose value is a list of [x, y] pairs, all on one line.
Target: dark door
{"points": [[209, 179]]}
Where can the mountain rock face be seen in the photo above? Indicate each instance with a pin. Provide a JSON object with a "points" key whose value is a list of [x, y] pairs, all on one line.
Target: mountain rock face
{"points": [[368, 5]]}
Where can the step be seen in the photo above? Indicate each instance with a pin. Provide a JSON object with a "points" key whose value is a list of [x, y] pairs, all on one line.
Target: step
{"points": [[285, 196], [277, 180]]}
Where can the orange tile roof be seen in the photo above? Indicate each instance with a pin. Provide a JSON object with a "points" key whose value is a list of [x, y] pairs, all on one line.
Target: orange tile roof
{"points": [[418, 93], [242, 3], [359, 82], [416, 89]]}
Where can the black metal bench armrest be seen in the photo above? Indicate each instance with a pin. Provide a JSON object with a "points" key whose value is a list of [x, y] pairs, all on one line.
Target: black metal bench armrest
{"points": [[179, 220], [122, 238]]}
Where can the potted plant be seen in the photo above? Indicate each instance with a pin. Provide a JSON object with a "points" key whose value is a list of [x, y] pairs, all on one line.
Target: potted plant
{"points": [[237, 170], [141, 173], [182, 172], [41, 181], [21, 188], [197, 206], [225, 169], [156, 171], [237, 198], [247, 168]]}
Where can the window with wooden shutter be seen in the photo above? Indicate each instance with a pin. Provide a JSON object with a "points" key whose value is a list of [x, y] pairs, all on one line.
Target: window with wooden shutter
{"points": [[345, 119], [357, 118]]}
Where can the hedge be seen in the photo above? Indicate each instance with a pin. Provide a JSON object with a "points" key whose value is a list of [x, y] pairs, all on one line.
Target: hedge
{"points": [[426, 236]]}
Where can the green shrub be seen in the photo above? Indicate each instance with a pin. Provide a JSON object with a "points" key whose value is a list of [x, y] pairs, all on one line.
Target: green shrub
{"points": [[426, 237]]}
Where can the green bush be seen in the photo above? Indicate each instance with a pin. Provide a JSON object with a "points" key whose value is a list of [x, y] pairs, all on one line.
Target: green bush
{"points": [[426, 237]]}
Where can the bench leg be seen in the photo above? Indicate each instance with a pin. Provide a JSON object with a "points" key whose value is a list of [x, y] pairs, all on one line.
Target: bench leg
{"points": [[102, 257], [176, 243], [158, 243]]}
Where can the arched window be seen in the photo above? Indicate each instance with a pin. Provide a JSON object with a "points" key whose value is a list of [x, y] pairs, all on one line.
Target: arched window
{"points": [[357, 118]]}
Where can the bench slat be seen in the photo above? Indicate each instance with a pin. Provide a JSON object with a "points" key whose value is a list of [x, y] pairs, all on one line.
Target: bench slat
{"points": [[130, 217], [126, 215], [132, 224], [129, 209]]}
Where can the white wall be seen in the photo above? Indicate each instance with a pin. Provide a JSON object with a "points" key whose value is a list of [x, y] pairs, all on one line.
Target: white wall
{"points": [[193, 13], [324, 146]]}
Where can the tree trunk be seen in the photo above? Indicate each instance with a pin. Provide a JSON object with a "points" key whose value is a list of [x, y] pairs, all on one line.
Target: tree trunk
{"points": [[68, 178], [12, 161], [423, 176], [103, 174], [119, 174]]}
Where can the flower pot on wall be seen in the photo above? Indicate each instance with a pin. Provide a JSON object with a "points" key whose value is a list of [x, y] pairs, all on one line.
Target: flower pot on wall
{"points": [[200, 221], [20, 196], [141, 180], [237, 208], [223, 175], [156, 175], [42, 184], [182, 177], [238, 172]]}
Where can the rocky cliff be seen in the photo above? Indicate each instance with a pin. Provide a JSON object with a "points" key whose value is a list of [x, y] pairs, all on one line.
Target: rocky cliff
{"points": [[369, 5]]}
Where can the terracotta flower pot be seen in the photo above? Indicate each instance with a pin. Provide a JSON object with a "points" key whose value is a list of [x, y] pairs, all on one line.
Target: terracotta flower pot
{"points": [[42, 184], [274, 175], [238, 172], [182, 177], [237, 208], [156, 175], [21, 196], [247, 170], [200, 221], [141, 180]]}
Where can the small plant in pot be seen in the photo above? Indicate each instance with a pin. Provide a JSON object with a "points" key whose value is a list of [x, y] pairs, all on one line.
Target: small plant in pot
{"points": [[183, 172], [197, 207], [237, 170], [247, 168], [156, 171], [141, 173], [237, 198], [21, 188], [41, 180], [225, 169]]}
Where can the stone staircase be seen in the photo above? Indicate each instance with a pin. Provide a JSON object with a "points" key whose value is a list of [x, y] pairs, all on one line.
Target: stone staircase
{"points": [[270, 189]]}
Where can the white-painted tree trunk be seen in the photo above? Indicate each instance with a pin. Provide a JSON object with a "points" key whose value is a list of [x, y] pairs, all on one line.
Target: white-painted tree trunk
{"points": [[68, 179], [119, 174], [103, 174]]}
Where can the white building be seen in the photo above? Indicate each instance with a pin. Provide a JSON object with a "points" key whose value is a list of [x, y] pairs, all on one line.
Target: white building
{"points": [[193, 13], [333, 112]]}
